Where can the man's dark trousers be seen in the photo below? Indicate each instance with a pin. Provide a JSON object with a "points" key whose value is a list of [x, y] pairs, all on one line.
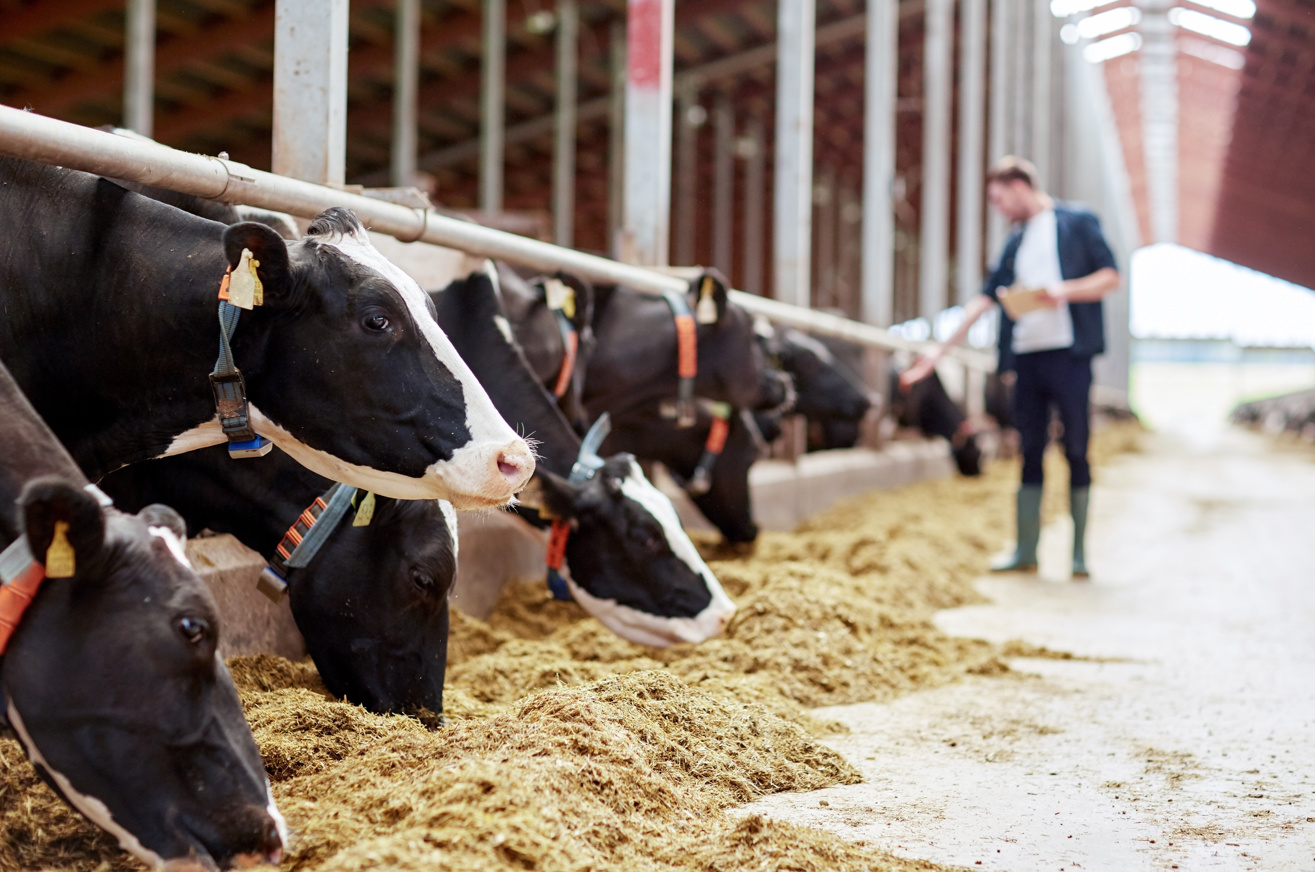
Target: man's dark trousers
{"points": [[1053, 378]]}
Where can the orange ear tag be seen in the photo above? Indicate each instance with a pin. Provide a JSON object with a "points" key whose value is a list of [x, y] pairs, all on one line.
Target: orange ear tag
{"points": [[61, 562]]}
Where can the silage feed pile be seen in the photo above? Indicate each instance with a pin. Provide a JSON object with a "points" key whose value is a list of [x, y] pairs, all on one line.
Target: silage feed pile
{"points": [[568, 748]]}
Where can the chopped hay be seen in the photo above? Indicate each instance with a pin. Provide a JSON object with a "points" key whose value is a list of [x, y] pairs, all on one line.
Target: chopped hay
{"points": [[570, 749]]}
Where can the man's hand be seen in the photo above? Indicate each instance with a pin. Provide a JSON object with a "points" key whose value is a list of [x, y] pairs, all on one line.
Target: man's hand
{"points": [[1056, 294], [924, 366]]}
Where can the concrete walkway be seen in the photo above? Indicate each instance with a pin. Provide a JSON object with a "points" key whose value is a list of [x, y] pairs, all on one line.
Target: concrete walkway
{"points": [[1186, 741]]}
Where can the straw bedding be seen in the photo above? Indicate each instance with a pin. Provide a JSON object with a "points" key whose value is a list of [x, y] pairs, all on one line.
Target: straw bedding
{"points": [[569, 749]]}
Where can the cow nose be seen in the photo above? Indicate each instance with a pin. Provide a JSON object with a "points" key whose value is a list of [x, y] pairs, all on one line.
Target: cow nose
{"points": [[516, 464]]}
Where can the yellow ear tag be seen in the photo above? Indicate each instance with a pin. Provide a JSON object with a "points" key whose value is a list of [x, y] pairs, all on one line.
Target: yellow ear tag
{"points": [[244, 288], [365, 513], [560, 295], [706, 311], [60, 560]]}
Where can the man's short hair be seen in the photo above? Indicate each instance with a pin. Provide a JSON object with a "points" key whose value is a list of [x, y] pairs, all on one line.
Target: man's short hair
{"points": [[1013, 169]]}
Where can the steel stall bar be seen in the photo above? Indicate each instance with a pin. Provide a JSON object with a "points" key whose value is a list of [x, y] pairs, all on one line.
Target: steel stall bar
{"points": [[650, 33], [563, 176], [406, 90], [310, 90], [937, 73], [492, 110], [881, 65], [139, 66], [972, 97], [35, 137], [792, 217]]}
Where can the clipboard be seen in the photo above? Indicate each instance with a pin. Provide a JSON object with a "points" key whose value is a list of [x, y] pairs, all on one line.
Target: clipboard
{"points": [[1019, 301]]}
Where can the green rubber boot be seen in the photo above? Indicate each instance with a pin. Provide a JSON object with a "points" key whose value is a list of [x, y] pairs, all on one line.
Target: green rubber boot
{"points": [[1029, 532], [1077, 501]]}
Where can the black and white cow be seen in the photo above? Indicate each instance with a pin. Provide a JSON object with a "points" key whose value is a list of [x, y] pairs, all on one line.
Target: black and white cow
{"points": [[929, 408], [635, 357], [726, 502], [828, 393], [111, 681], [543, 334], [631, 564], [372, 604], [111, 326]]}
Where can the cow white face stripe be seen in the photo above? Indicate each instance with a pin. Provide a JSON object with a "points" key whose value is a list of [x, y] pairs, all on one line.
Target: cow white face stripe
{"points": [[637, 487], [91, 807], [454, 482], [648, 629], [482, 419], [450, 517], [175, 546]]}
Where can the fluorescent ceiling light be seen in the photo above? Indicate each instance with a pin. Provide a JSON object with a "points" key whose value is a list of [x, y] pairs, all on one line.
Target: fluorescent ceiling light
{"points": [[1208, 25], [1115, 46], [1108, 22], [1065, 8], [1215, 54], [1235, 8]]}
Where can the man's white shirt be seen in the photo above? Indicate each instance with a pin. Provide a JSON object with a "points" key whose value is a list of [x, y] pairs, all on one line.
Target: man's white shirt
{"points": [[1036, 265]]}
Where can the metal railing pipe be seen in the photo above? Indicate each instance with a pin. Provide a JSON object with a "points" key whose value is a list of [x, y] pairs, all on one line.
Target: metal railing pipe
{"points": [[35, 137]]}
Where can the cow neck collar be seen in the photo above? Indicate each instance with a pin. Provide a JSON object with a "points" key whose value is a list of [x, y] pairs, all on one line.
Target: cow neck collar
{"points": [[587, 464], [306, 536], [230, 388], [701, 481], [21, 576], [687, 357]]}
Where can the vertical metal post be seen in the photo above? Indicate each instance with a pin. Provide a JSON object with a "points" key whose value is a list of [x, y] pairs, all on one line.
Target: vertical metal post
{"points": [[139, 67], [972, 109], [1159, 106], [755, 206], [493, 89], [1002, 37], [688, 114], [723, 184], [406, 88], [563, 175], [935, 231], [825, 199], [882, 76], [1043, 33], [796, 22], [310, 90], [616, 136], [647, 209], [1021, 138]]}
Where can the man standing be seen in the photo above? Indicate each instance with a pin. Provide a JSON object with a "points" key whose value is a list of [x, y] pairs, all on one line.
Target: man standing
{"points": [[1058, 249]]}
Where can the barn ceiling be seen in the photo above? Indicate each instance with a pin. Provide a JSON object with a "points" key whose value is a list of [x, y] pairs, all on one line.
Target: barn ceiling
{"points": [[1246, 135]]}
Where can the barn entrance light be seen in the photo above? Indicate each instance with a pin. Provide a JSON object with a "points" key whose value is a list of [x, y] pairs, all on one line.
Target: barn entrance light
{"points": [[1114, 47], [1208, 25]]}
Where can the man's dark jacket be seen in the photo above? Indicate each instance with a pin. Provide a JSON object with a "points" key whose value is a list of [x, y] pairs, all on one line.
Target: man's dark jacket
{"points": [[1082, 251]]}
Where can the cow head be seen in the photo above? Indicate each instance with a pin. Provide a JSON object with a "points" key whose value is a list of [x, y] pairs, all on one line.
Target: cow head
{"points": [[732, 366], [631, 564], [348, 372], [373, 606], [826, 390], [113, 685]]}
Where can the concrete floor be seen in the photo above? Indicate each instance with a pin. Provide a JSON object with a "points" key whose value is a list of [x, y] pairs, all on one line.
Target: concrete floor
{"points": [[1185, 741]]}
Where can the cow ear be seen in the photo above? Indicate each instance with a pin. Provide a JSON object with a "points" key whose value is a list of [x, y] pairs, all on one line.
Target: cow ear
{"points": [[267, 247], [708, 297], [51, 503], [584, 300], [159, 515], [550, 495]]}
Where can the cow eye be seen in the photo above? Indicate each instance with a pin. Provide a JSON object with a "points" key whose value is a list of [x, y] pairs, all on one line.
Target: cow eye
{"points": [[194, 630], [422, 580], [375, 323]]}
